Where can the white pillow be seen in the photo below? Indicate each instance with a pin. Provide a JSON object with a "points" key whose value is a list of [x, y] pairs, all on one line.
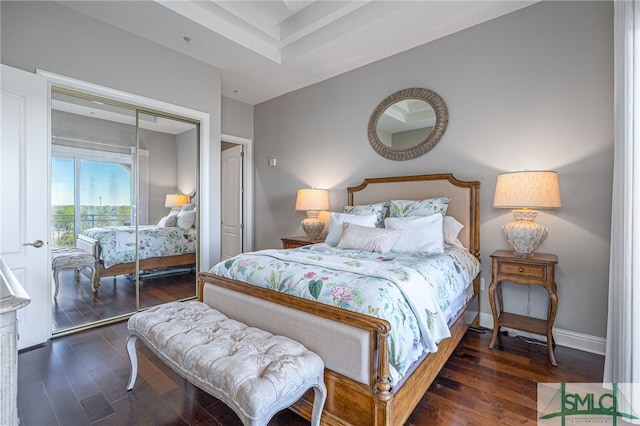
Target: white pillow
{"points": [[186, 219], [337, 219], [451, 230], [168, 221], [419, 233], [358, 237]]}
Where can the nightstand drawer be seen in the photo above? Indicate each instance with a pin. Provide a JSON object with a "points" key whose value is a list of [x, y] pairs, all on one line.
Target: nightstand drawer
{"points": [[295, 242], [524, 271]]}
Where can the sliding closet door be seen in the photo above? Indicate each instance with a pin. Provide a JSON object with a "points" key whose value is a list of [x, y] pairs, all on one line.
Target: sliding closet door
{"points": [[124, 193], [168, 213], [93, 166]]}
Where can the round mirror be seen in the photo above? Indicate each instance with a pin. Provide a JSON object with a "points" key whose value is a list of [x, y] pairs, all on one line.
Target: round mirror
{"points": [[408, 123]]}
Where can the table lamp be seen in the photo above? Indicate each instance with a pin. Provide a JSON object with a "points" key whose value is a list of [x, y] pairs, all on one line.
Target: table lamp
{"points": [[523, 192], [175, 201], [312, 201]]}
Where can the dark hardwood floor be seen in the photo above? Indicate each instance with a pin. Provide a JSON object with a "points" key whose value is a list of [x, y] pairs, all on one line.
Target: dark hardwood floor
{"points": [[78, 305], [80, 379]]}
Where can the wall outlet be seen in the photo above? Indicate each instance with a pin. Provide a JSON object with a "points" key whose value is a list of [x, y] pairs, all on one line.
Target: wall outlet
{"points": [[481, 284]]}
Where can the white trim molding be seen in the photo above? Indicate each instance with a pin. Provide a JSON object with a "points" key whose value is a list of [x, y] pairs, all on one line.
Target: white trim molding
{"points": [[567, 338]]}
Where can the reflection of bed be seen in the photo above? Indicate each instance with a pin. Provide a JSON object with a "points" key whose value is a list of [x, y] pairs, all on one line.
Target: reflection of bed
{"points": [[355, 346], [113, 248]]}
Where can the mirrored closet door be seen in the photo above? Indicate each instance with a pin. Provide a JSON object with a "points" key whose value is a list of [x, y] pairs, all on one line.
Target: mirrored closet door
{"points": [[124, 208]]}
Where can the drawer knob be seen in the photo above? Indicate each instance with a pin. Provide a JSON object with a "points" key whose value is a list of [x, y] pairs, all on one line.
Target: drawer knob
{"points": [[521, 269]]}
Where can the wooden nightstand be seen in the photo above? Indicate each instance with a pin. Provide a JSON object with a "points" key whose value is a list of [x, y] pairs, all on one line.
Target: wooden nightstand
{"points": [[295, 242], [539, 270]]}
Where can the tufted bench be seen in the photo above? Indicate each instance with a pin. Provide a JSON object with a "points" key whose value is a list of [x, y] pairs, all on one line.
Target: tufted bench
{"points": [[67, 258], [254, 372]]}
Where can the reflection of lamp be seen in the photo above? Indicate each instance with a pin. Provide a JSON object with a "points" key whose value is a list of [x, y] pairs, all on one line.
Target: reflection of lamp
{"points": [[523, 191], [312, 201], [175, 201]]}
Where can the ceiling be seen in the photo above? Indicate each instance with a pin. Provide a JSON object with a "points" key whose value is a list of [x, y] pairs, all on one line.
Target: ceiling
{"points": [[267, 48]]}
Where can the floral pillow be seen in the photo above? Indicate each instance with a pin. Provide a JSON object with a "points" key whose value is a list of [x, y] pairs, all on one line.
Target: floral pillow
{"points": [[358, 237], [418, 234], [404, 208], [188, 207], [337, 219], [379, 209]]}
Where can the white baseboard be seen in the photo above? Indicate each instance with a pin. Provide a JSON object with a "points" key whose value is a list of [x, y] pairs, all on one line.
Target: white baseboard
{"points": [[570, 339]]}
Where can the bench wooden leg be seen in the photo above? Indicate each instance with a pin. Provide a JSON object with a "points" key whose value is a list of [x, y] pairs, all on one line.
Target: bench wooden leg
{"points": [[319, 398], [94, 283], [133, 357]]}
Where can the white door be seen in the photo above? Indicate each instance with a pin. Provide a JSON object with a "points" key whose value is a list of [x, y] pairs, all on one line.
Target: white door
{"points": [[232, 200], [24, 204]]}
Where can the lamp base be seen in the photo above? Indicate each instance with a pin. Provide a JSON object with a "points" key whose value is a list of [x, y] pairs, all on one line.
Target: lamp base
{"points": [[312, 226], [523, 233]]}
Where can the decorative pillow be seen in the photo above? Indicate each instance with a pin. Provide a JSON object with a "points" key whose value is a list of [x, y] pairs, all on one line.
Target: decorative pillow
{"points": [[451, 230], [337, 219], [187, 207], [168, 221], [404, 208], [186, 219], [358, 237], [380, 210], [419, 234]]}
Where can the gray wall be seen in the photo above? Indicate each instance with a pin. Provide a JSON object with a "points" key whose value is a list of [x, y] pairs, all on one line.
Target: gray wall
{"points": [[530, 90], [49, 36], [186, 157], [163, 175], [237, 118]]}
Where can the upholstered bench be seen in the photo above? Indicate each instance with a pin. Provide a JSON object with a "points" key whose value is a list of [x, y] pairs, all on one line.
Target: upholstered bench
{"points": [[254, 372], [68, 258]]}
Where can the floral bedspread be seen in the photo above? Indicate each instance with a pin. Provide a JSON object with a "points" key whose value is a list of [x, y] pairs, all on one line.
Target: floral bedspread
{"points": [[118, 243], [415, 292]]}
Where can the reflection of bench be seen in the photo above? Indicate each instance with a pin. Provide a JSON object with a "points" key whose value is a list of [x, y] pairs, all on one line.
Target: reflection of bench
{"points": [[254, 372], [71, 258]]}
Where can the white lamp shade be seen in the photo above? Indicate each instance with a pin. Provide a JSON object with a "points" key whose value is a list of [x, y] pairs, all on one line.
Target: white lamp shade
{"points": [[312, 199], [527, 189], [175, 200]]}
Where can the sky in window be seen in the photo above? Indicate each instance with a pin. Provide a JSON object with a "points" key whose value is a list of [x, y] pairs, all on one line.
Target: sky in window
{"points": [[101, 183]]}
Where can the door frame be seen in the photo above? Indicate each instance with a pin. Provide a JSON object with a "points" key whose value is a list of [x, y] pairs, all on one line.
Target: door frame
{"points": [[247, 171]]}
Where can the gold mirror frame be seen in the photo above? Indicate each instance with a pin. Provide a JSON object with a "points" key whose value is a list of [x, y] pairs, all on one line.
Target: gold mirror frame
{"points": [[442, 120]]}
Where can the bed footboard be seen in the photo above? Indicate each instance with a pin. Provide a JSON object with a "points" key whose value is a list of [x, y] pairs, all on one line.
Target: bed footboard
{"points": [[92, 247], [353, 346]]}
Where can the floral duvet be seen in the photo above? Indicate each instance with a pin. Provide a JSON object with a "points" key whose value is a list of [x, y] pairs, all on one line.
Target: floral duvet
{"points": [[417, 293], [117, 243]]}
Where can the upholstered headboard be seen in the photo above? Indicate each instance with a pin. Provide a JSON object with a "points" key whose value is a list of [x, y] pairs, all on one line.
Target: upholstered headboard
{"points": [[464, 205]]}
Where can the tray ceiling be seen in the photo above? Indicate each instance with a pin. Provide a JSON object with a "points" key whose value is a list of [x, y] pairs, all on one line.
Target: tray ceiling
{"points": [[267, 48]]}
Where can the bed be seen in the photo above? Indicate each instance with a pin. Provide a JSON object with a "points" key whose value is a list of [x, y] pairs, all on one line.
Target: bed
{"points": [[160, 246], [362, 377]]}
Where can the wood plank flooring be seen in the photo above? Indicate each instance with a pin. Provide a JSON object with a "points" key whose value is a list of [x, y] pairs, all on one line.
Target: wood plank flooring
{"points": [[80, 380], [78, 305]]}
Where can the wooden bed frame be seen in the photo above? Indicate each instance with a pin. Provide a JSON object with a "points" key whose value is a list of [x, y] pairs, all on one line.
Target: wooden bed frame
{"points": [[373, 401], [92, 246]]}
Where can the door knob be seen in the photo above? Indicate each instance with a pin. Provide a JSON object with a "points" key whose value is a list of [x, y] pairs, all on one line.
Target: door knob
{"points": [[36, 244]]}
